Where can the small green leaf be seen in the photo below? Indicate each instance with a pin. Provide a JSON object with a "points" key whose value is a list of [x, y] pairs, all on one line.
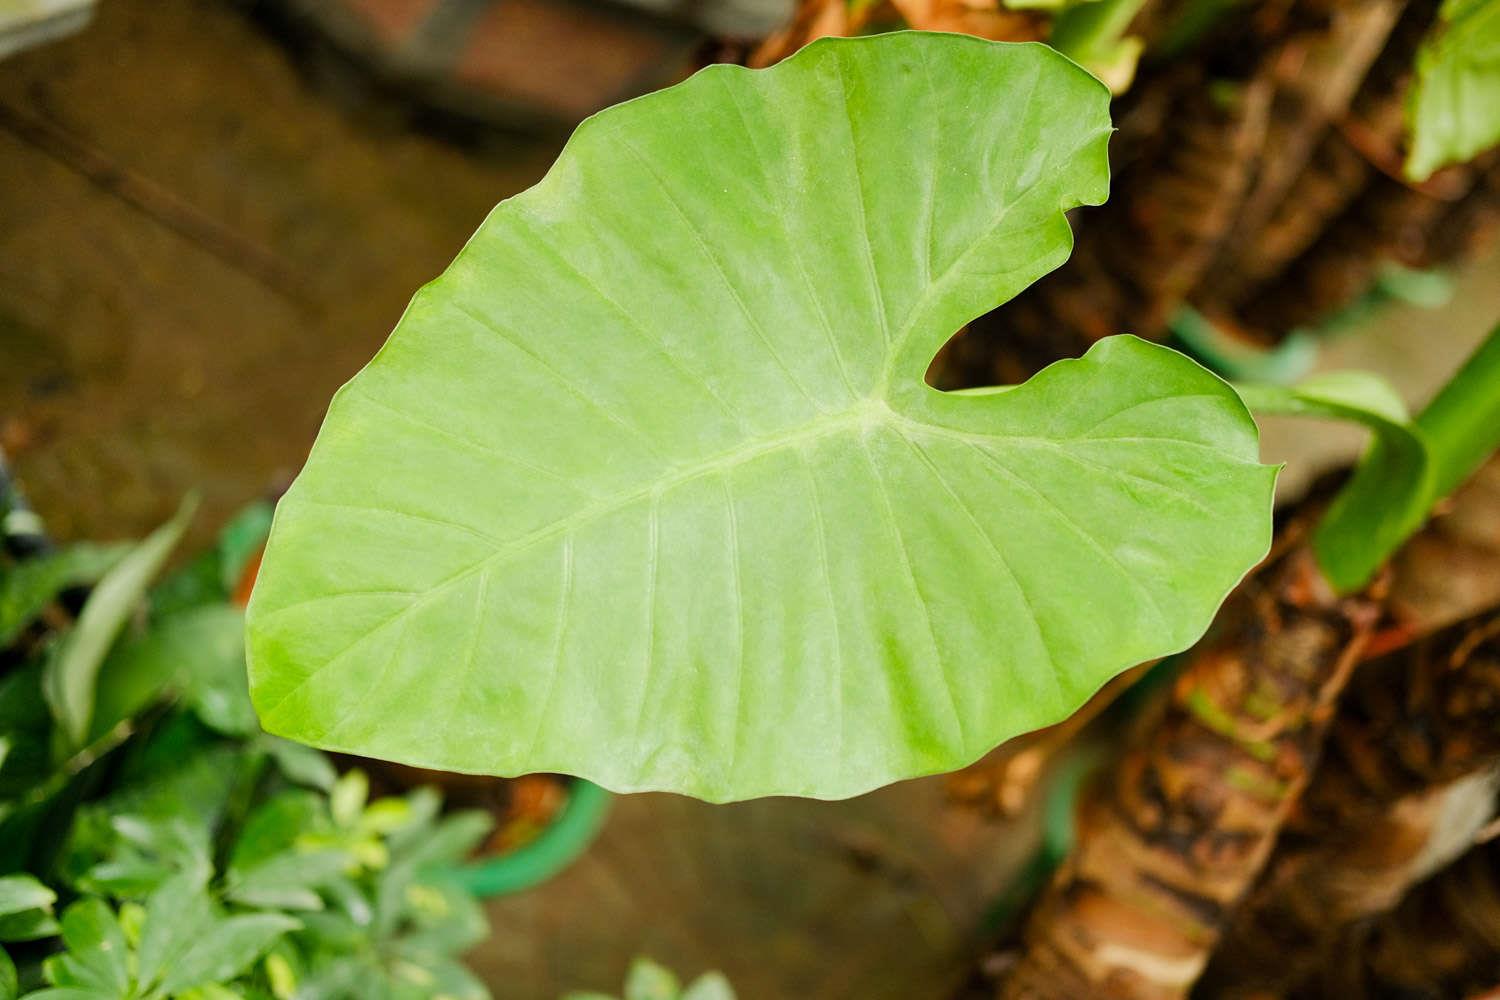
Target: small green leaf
{"points": [[10, 983], [225, 949], [1453, 110], [281, 975], [301, 765], [19, 893], [452, 840], [132, 922], [649, 486], [242, 539], [649, 981], [200, 652], [32, 925], [210, 991], [182, 840], [177, 915], [441, 918], [385, 815], [1461, 424], [275, 826], [449, 980], [709, 986], [347, 800], [1389, 493], [98, 954], [73, 668], [29, 586], [288, 881]]}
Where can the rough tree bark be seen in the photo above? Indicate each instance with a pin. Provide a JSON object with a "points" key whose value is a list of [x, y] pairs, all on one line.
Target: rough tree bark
{"points": [[1441, 943], [1407, 781], [1450, 570]]}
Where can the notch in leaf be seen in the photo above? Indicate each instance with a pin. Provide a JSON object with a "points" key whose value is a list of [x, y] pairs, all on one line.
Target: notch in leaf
{"points": [[648, 486]]}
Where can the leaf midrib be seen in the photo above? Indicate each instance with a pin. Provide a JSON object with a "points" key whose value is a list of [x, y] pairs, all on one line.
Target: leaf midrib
{"points": [[867, 413]]}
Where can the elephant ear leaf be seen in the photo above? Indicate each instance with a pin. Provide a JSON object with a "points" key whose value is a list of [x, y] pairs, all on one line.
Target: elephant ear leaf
{"points": [[648, 485]]}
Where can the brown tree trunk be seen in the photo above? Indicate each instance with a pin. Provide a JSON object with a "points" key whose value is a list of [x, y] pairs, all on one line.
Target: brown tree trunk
{"points": [[1316, 74], [1450, 570], [1441, 943], [1407, 780]]}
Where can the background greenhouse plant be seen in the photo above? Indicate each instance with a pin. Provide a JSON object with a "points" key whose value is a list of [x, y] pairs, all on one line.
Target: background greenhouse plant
{"points": [[650, 981], [157, 844], [322, 894], [1454, 106]]}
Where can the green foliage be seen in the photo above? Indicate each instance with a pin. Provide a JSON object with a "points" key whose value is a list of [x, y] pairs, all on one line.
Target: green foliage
{"points": [[28, 587], [25, 909], [1410, 464], [649, 981], [1453, 110], [197, 653], [648, 486], [1462, 423], [1390, 492], [73, 666], [9, 982], [319, 896], [1094, 35], [203, 859]]}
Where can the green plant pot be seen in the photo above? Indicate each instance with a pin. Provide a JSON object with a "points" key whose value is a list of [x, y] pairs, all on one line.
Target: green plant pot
{"points": [[556, 847]]}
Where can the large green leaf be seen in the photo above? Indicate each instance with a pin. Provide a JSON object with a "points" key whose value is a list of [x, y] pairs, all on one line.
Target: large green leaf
{"points": [[1454, 106], [648, 486]]}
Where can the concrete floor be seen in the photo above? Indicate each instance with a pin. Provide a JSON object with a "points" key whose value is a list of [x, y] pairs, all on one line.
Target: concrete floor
{"points": [[197, 248]]}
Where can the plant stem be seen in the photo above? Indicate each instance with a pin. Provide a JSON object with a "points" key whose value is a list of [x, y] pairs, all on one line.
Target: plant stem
{"points": [[1462, 423], [1393, 492]]}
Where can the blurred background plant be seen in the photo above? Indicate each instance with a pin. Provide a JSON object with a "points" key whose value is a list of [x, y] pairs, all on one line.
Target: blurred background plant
{"points": [[647, 980], [156, 842]]}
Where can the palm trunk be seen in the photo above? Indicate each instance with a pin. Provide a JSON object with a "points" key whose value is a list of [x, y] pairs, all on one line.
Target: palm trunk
{"points": [[1441, 943], [1408, 779]]}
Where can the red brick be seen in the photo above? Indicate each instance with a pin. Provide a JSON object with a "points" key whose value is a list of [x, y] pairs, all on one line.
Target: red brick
{"points": [[392, 21], [567, 59]]}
